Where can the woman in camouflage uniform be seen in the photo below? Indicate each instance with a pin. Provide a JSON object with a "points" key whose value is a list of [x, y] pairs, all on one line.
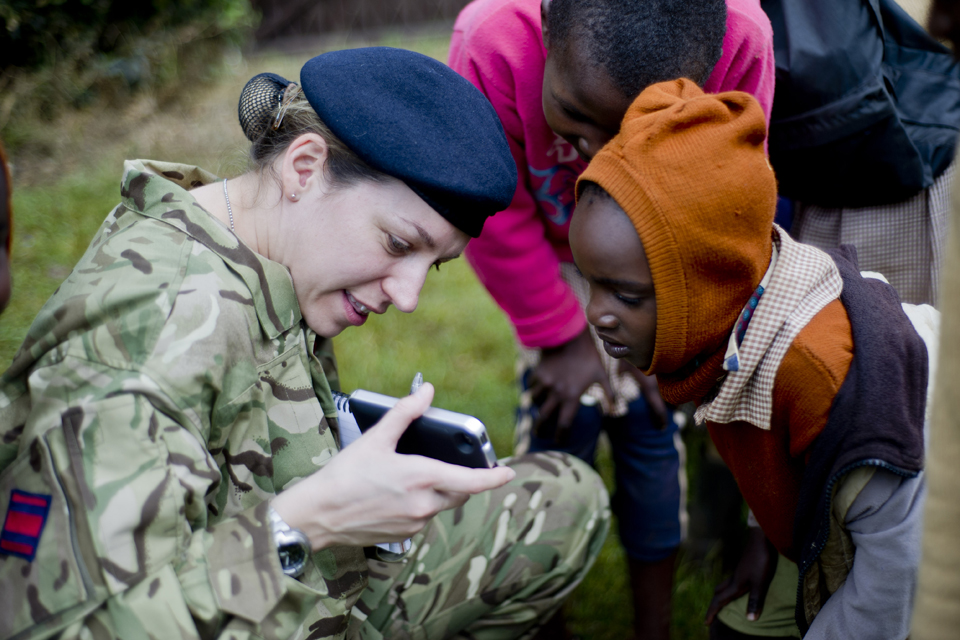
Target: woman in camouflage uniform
{"points": [[169, 419]]}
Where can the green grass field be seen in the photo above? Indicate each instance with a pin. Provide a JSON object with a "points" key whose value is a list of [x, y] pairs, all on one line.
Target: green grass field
{"points": [[457, 338]]}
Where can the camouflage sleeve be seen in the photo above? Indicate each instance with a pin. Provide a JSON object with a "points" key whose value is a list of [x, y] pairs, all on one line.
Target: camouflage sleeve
{"points": [[125, 553], [161, 397]]}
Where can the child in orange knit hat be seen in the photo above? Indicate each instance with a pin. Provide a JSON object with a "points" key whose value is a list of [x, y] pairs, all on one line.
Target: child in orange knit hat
{"points": [[810, 378]]}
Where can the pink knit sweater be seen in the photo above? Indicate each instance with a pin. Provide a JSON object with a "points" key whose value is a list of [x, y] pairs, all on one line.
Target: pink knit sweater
{"points": [[497, 45]]}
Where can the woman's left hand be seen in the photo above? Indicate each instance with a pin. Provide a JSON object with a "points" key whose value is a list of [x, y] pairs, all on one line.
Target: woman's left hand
{"points": [[370, 494]]}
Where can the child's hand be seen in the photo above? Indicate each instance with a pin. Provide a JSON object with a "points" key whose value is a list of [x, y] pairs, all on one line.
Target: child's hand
{"points": [[563, 375], [753, 574], [656, 407]]}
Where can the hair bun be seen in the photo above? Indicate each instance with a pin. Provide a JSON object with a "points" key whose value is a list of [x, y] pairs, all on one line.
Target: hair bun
{"points": [[259, 100]]}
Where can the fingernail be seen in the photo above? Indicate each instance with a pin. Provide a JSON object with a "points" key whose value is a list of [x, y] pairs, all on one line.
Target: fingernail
{"points": [[751, 616]]}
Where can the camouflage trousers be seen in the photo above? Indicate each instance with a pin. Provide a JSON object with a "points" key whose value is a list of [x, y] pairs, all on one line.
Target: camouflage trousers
{"points": [[496, 567]]}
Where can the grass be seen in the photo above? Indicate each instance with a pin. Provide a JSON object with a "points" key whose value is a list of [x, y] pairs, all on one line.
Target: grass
{"points": [[463, 344], [458, 338]]}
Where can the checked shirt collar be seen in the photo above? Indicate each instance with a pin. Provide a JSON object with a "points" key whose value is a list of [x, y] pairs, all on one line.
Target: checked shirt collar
{"points": [[799, 283]]}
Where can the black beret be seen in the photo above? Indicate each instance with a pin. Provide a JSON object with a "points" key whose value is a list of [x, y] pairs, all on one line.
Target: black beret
{"points": [[417, 120]]}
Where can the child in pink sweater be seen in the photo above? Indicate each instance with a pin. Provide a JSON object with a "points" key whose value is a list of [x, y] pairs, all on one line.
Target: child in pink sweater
{"points": [[582, 62]]}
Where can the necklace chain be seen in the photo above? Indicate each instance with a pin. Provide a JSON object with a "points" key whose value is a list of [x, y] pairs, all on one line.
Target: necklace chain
{"points": [[226, 197]]}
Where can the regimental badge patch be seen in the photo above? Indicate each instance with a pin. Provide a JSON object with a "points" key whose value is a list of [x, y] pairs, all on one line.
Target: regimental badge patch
{"points": [[26, 517]]}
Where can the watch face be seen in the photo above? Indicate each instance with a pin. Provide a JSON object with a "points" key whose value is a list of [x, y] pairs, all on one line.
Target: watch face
{"points": [[292, 558]]}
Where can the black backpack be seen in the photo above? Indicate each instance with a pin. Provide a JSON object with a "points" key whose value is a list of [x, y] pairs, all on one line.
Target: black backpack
{"points": [[867, 104]]}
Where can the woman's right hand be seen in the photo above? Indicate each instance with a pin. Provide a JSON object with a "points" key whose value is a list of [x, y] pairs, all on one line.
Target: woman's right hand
{"points": [[370, 494]]}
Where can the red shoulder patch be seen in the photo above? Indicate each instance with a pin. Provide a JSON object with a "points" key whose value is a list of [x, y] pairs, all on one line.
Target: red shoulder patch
{"points": [[26, 518]]}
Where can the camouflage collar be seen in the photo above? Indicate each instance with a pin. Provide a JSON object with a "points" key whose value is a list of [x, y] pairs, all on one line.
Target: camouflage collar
{"points": [[160, 190]]}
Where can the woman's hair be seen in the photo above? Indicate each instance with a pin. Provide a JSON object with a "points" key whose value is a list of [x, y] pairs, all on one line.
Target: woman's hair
{"points": [[642, 42], [263, 99]]}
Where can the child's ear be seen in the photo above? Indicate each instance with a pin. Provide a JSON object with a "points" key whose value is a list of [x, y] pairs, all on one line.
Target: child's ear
{"points": [[544, 8]]}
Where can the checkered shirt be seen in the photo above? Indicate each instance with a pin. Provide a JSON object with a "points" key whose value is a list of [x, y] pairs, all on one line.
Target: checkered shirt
{"points": [[804, 281], [904, 240]]}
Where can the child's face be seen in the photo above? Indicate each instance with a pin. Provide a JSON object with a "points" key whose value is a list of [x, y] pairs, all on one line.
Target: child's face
{"points": [[609, 254], [580, 101]]}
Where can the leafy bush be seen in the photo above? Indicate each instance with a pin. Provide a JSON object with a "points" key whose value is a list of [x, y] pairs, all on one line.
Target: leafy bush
{"points": [[33, 31], [70, 53]]}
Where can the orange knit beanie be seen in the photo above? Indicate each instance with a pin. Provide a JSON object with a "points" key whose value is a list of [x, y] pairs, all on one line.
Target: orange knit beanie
{"points": [[690, 171]]}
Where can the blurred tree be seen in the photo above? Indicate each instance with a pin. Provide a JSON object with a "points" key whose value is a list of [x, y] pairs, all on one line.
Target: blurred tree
{"points": [[301, 17], [56, 53], [33, 32]]}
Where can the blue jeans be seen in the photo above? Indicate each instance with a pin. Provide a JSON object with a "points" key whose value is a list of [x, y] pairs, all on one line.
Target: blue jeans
{"points": [[650, 494]]}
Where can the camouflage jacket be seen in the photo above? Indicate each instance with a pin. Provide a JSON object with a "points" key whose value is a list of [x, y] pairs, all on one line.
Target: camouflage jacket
{"points": [[163, 394]]}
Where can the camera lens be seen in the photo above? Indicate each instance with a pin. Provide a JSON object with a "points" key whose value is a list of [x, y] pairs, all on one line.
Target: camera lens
{"points": [[464, 444]]}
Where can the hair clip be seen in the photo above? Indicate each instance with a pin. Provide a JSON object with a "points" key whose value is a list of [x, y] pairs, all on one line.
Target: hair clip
{"points": [[285, 98]]}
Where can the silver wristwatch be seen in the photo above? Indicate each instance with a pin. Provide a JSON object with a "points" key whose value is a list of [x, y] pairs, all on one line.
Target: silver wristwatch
{"points": [[292, 545]]}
